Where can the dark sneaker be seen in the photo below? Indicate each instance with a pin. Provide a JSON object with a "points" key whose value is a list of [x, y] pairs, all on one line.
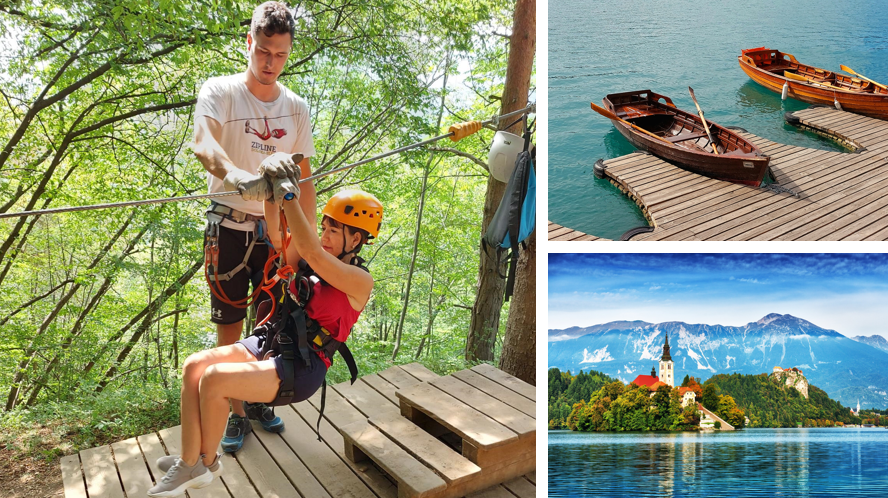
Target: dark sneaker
{"points": [[238, 427], [181, 477], [165, 462], [265, 415]]}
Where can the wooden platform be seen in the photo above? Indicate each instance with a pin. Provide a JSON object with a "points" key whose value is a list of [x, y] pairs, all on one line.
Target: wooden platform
{"points": [[367, 450], [558, 232], [831, 195]]}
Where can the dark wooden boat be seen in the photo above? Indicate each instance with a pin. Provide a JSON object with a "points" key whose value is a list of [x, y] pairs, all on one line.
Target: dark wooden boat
{"points": [[767, 67], [738, 159]]}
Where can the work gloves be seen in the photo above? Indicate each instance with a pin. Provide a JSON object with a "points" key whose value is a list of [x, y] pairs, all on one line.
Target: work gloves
{"points": [[282, 172], [251, 187]]}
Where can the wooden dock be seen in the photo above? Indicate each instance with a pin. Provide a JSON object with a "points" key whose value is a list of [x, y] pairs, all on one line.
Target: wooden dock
{"points": [[558, 232], [471, 434], [821, 195]]}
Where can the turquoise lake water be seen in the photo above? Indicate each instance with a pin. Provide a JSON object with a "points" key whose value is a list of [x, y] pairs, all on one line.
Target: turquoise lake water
{"points": [[597, 48], [832, 462]]}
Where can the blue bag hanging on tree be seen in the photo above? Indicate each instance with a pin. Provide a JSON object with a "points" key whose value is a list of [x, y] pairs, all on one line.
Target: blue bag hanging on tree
{"points": [[515, 218]]}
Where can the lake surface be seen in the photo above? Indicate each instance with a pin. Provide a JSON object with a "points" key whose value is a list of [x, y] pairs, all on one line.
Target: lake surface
{"points": [[748, 463], [597, 48]]}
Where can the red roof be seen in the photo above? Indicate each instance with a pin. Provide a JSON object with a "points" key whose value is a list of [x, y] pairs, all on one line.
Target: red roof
{"points": [[683, 390], [646, 380]]}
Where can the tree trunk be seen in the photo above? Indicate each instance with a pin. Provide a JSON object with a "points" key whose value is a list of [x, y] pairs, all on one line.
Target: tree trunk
{"points": [[519, 343], [489, 299]]}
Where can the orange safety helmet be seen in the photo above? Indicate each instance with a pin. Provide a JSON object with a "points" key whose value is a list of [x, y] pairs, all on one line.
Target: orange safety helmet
{"points": [[356, 208]]}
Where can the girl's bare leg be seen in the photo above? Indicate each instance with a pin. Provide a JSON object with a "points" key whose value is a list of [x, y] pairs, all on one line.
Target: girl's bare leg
{"points": [[255, 381], [192, 371]]}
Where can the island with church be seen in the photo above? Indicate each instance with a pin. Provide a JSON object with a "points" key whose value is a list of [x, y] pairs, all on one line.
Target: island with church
{"points": [[594, 401]]}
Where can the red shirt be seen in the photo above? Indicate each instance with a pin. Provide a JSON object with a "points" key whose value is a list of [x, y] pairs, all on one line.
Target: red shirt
{"points": [[329, 307]]}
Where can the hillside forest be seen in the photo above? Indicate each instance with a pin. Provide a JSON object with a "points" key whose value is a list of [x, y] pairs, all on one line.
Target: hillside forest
{"points": [[99, 309], [584, 401]]}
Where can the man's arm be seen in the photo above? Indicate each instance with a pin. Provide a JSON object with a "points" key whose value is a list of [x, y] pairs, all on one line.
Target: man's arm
{"points": [[308, 199], [207, 133]]}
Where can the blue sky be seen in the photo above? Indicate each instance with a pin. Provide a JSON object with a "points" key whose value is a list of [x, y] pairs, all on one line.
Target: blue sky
{"points": [[844, 292]]}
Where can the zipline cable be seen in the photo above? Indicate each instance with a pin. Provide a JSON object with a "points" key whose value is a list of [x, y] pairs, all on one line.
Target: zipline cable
{"points": [[456, 132]]}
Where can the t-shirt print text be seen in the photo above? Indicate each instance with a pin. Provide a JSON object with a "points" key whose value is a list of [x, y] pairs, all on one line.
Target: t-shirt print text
{"points": [[267, 134]]}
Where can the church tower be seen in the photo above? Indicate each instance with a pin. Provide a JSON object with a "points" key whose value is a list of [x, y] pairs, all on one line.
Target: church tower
{"points": [[667, 373]]}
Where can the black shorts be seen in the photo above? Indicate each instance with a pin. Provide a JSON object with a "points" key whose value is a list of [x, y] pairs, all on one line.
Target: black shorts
{"points": [[233, 246], [308, 378]]}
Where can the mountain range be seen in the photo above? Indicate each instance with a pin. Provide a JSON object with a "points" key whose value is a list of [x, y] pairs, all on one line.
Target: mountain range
{"points": [[847, 369]]}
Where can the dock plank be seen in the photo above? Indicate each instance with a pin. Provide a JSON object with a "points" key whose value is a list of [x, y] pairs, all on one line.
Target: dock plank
{"points": [[682, 207], [509, 417]]}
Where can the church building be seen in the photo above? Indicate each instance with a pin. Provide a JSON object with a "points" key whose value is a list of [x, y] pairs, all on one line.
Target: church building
{"points": [[667, 372]]}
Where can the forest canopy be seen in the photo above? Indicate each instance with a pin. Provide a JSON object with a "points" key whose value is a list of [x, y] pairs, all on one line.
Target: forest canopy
{"points": [[100, 308]]}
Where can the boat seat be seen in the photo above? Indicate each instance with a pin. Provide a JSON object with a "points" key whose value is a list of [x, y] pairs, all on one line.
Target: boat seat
{"points": [[688, 136]]}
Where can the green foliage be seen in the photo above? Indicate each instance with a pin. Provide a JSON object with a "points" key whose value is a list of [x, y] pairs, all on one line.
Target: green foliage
{"points": [[710, 397], [97, 107], [565, 390], [617, 407], [770, 403]]}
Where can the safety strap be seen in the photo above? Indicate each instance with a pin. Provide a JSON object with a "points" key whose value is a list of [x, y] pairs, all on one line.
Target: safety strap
{"points": [[215, 214]]}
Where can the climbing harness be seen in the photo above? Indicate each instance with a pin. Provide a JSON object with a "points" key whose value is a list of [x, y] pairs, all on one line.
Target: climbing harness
{"points": [[456, 132], [294, 336]]}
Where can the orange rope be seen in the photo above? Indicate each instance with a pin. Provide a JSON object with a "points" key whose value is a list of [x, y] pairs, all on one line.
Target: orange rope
{"points": [[283, 273]]}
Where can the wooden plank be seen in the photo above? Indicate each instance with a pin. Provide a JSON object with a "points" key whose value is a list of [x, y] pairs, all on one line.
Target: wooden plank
{"points": [[331, 472], [515, 420], [399, 377], [455, 415], [381, 386], [132, 468], [262, 470], [72, 477], [369, 474], [414, 479], [521, 487], [101, 473], [494, 492], [290, 464], [422, 446], [152, 449], [532, 477], [560, 231], [419, 371], [498, 391], [364, 398], [172, 439], [500, 377]]}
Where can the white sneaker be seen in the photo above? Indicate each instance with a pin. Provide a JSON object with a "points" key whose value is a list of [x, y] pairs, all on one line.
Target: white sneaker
{"points": [[181, 477]]}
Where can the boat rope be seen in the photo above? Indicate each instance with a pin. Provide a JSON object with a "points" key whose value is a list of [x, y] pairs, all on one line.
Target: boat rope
{"points": [[456, 132]]}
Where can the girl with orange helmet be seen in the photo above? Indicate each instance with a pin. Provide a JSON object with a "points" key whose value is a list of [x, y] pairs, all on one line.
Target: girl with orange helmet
{"points": [[209, 378]]}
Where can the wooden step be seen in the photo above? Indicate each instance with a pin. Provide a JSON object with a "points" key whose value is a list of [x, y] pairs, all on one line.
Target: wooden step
{"points": [[486, 442], [510, 381], [520, 423], [363, 441], [447, 463]]}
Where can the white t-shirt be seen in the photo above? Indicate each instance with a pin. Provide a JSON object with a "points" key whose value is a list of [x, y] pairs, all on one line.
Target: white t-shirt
{"points": [[252, 130]]}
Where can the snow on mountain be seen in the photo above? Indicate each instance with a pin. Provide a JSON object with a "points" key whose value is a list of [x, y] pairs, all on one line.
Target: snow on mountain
{"points": [[702, 350]]}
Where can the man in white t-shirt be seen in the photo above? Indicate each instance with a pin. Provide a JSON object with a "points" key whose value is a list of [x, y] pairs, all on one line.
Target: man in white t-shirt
{"points": [[242, 121]]}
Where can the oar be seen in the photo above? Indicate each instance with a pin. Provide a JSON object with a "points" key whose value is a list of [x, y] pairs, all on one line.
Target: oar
{"points": [[604, 112], [849, 70], [705, 126], [796, 77]]}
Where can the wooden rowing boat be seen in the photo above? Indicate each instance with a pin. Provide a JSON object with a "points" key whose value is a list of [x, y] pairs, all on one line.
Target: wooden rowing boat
{"points": [[768, 67], [738, 160]]}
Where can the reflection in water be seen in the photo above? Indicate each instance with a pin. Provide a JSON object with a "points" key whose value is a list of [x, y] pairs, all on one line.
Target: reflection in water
{"points": [[616, 144], [756, 462]]}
